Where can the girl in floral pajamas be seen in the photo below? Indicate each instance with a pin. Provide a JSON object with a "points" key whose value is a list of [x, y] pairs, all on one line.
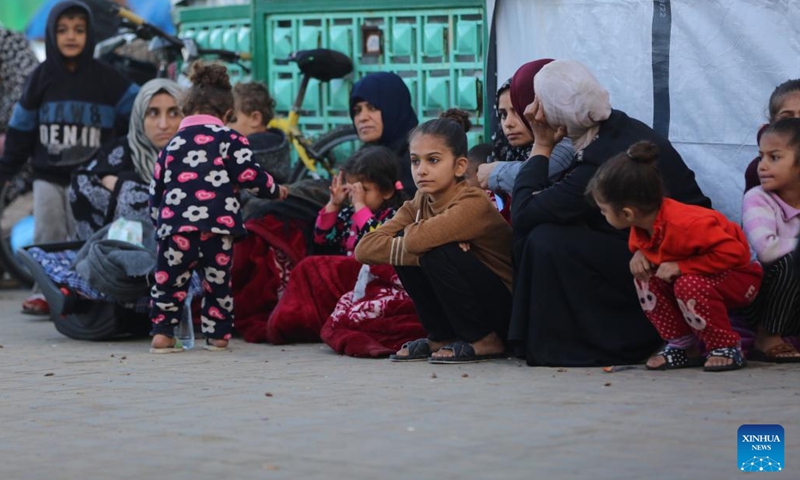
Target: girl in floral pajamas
{"points": [[195, 208]]}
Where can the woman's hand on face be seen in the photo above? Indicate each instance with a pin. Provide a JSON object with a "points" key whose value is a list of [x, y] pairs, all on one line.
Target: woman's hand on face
{"points": [[357, 196], [109, 182], [641, 268], [545, 136]]}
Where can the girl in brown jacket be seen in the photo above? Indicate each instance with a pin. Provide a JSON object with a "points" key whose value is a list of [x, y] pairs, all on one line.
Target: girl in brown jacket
{"points": [[451, 249]]}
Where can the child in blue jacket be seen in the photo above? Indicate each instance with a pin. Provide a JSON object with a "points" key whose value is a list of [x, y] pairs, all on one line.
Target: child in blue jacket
{"points": [[71, 105]]}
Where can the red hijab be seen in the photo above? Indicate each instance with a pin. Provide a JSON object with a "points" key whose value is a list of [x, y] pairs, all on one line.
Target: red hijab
{"points": [[522, 87]]}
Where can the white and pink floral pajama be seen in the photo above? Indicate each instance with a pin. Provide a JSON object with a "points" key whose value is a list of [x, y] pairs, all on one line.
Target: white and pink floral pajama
{"points": [[178, 256]]}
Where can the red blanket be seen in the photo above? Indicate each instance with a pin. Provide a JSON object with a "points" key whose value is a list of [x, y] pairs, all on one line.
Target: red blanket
{"points": [[375, 319], [262, 262], [317, 284]]}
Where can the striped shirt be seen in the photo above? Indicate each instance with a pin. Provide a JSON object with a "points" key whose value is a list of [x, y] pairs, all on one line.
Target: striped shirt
{"points": [[771, 225]]}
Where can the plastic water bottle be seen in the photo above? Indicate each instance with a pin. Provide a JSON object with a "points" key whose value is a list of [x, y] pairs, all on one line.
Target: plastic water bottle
{"points": [[184, 331]]}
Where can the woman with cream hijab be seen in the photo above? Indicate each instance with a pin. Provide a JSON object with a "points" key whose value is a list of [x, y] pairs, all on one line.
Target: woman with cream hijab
{"points": [[115, 183], [574, 299]]}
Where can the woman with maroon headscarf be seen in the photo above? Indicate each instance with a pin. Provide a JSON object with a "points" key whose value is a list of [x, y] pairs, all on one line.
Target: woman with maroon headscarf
{"points": [[512, 144]]}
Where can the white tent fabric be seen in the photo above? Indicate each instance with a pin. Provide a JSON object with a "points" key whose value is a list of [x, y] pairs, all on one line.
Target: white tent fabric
{"points": [[725, 59]]}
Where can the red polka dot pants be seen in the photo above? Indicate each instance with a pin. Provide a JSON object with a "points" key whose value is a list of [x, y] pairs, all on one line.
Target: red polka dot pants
{"points": [[699, 304]]}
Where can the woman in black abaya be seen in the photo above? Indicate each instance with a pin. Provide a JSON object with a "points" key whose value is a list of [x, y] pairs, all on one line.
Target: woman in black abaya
{"points": [[574, 298]]}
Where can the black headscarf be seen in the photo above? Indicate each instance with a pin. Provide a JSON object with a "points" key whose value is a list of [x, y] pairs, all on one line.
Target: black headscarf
{"points": [[388, 93]]}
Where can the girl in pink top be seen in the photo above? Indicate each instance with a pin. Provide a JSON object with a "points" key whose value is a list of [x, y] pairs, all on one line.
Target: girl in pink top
{"points": [[771, 217], [362, 197], [365, 194]]}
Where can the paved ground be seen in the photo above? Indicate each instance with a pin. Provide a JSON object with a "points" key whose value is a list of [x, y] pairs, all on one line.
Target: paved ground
{"points": [[110, 410]]}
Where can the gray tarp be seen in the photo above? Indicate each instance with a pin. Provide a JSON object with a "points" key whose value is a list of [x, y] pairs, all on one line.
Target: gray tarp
{"points": [[725, 59]]}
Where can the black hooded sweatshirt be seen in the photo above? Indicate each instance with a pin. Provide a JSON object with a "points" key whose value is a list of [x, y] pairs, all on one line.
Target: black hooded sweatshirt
{"points": [[62, 115]]}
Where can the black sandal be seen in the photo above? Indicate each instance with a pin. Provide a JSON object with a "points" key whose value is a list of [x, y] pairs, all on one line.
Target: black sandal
{"points": [[463, 352], [675, 358], [734, 353], [418, 350]]}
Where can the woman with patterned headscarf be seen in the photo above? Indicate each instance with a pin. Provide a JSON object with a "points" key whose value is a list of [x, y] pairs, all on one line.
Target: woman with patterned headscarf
{"points": [[17, 60], [115, 183], [513, 142], [574, 299]]}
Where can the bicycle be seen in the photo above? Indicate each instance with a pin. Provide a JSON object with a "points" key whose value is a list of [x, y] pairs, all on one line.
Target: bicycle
{"points": [[316, 159], [323, 65]]}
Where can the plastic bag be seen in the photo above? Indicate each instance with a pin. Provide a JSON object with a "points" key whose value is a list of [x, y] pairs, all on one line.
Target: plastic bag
{"points": [[126, 231]]}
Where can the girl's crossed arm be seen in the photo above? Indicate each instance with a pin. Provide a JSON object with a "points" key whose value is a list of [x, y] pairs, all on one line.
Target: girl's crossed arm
{"points": [[364, 221], [383, 245], [461, 222]]}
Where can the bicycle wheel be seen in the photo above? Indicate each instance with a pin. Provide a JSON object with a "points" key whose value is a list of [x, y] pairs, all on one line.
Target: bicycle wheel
{"points": [[16, 203], [330, 151]]}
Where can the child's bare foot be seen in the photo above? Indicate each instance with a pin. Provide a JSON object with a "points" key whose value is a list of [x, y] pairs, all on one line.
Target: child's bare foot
{"points": [[216, 344], [660, 361], [489, 345], [162, 341], [718, 362], [724, 359], [164, 344]]}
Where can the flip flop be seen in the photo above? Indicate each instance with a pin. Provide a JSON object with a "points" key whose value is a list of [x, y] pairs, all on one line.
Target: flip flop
{"points": [[35, 306], [463, 352], [418, 350], [675, 358], [176, 348], [213, 348], [772, 355], [734, 353]]}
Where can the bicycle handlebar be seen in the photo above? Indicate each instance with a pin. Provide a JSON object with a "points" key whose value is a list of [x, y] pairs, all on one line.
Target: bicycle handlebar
{"points": [[140, 23], [128, 15]]}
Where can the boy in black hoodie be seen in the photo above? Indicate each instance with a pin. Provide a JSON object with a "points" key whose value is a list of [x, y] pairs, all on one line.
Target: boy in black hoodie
{"points": [[71, 105]]}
